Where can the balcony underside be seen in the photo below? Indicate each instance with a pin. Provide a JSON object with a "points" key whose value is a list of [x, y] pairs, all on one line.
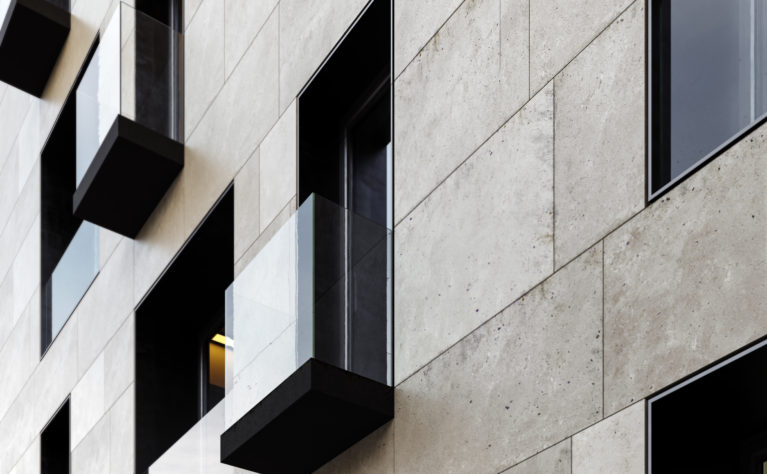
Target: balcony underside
{"points": [[32, 36], [313, 416], [128, 177]]}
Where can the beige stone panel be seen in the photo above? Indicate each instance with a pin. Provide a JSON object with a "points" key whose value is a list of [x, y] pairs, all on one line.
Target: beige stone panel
{"points": [[20, 354], [555, 460], [519, 384], [265, 236], [244, 19], [91, 456], [30, 463], [119, 361], [309, 29], [26, 212], [13, 109], [122, 435], [560, 29], [278, 156], [456, 94], [233, 127], [616, 444], [414, 24], [203, 61], [493, 216], [159, 239], [26, 270], [246, 206], [372, 455], [685, 280], [87, 402], [600, 137], [105, 306]]}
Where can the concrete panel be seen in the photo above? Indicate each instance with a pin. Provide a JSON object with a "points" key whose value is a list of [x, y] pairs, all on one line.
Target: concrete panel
{"points": [[30, 463], [278, 156], [559, 30], [29, 143], [24, 215], [92, 455], [685, 280], [190, 10], [87, 402], [105, 306], [372, 455], [519, 384], [13, 109], [122, 435], [456, 93], [119, 361], [246, 205], [26, 270], [309, 29], [266, 236], [20, 354], [600, 136], [233, 127], [493, 216], [244, 19], [9, 183], [414, 25], [204, 61], [555, 460], [616, 444]]}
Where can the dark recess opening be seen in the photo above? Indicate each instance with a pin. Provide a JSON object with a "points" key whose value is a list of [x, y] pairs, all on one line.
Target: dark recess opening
{"points": [[54, 443], [57, 175], [716, 423], [174, 325]]}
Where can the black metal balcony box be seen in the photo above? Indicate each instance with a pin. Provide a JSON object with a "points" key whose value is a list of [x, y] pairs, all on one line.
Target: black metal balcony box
{"points": [[32, 36], [129, 122]]}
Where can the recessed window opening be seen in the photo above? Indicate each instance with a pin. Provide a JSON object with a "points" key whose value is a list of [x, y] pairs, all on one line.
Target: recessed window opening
{"points": [[69, 246], [179, 324], [715, 421], [54, 443]]}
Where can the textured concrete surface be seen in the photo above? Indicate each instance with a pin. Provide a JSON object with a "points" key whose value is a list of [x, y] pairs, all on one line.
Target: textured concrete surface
{"points": [[372, 455], [247, 205], [414, 25], [456, 93], [599, 131], [461, 231], [521, 383], [554, 460], [615, 444], [685, 280], [278, 159], [244, 19], [559, 29]]}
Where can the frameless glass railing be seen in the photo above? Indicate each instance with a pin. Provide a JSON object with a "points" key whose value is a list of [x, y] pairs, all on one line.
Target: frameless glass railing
{"points": [[69, 281], [320, 288], [134, 73], [198, 451]]}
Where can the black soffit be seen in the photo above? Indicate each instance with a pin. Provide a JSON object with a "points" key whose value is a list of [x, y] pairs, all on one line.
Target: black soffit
{"points": [[32, 36], [310, 418], [128, 177]]}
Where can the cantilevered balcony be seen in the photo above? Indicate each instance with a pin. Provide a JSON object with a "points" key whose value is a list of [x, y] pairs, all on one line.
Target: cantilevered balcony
{"points": [[129, 123], [32, 36], [308, 322]]}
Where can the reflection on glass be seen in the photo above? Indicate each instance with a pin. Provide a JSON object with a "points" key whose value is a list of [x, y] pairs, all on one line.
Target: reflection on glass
{"points": [[134, 73], [71, 278], [717, 74], [290, 304], [198, 451]]}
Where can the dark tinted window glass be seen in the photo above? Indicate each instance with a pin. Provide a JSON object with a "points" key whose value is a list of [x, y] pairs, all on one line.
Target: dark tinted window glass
{"points": [[54, 444], [715, 423], [708, 78]]}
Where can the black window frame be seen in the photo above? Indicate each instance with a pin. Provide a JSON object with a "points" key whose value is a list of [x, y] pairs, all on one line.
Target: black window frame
{"points": [[658, 144]]}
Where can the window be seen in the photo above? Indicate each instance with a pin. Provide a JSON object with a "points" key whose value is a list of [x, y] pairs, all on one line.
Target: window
{"points": [[716, 421], [69, 246], [708, 78], [179, 359], [54, 443]]}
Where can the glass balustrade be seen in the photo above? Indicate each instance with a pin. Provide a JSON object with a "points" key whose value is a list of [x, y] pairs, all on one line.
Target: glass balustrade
{"points": [[134, 74], [198, 451], [69, 281], [320, 288]]}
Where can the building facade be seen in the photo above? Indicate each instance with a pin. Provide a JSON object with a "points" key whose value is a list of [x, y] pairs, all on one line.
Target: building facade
{"points": [[416, 236]]}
